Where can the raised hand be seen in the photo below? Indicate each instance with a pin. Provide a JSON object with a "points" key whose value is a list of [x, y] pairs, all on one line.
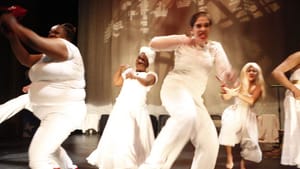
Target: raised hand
{"points": [[18, 11]]}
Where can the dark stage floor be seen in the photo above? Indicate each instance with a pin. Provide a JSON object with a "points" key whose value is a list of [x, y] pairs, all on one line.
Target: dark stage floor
{"points": [[13, 154]]}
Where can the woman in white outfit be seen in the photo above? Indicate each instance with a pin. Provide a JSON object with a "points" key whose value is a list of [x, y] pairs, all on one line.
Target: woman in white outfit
{"points": [[181, 94], [128, 134], [291, 146], [14, 106], [239, 123], [57, 91]]}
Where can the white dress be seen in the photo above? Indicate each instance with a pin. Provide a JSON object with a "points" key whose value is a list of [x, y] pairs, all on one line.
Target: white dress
{"points": [[128, 134], [239, 125], [291, 145]]}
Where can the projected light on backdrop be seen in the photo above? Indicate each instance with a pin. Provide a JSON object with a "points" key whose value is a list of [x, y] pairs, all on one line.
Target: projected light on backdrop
{"points": [[233, 11]]}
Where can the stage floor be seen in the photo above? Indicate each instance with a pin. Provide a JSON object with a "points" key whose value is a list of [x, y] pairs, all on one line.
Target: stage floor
{"points": [[13, 154]]}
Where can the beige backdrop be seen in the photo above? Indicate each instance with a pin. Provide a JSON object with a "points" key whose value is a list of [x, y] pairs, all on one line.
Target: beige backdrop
{"points": [[112, 31]]}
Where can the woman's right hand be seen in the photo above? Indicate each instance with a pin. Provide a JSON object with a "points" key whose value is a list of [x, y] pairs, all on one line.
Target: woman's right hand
{"points": [[231, 91], [296, 93], [124, 67], [191, 41], [25, 89]]}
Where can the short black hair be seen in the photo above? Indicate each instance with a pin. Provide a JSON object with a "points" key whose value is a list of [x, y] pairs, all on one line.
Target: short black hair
{"points": [[70, 31]]}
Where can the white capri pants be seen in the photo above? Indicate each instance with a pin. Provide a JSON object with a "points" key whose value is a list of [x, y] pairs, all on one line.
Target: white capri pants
{"points": [[14, 106]]}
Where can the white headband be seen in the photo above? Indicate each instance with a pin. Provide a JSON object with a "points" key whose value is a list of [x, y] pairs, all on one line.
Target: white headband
{"points": [[149, 53]]}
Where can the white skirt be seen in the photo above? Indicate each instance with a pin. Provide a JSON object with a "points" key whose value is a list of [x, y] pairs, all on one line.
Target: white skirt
{"points": [[126, 140]]}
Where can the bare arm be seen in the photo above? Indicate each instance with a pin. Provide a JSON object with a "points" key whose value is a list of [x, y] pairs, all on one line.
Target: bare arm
{"points": [[21, 53], [117, 78], [52, 47], [25, 89], [288, 64], [250, 99]]}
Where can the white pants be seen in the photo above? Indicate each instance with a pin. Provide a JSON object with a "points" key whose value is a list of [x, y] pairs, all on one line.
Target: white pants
{"points": [[188, 121], [54, 129], [13, 106]]}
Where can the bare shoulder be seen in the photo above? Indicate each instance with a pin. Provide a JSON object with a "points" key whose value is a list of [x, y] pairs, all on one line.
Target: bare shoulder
{"points": [[295, 56], [255, 88]]}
